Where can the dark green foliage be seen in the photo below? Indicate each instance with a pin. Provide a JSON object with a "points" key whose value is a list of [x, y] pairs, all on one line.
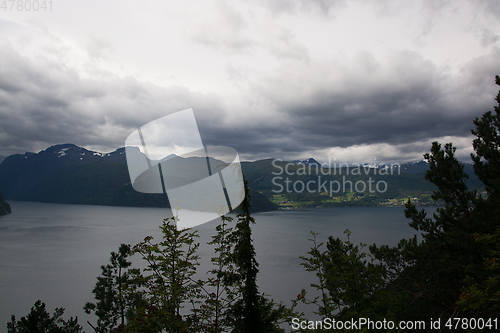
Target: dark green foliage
{"points": [[446, 275], [487, 163], [166, 282], [259, 203], [220, 290], [114, 304], [486, 145], [252, 312], [451, 270], [40, 321], [481, 295], [246, 310], [352, 279], [349, 280], [431, 282], [316, 262], [165, 296]]}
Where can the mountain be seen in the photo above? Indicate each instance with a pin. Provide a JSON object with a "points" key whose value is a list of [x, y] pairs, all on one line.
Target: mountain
{"points": [[414, 167], [4, 206], [74, 175], [300, 185], [71, 174], [309, 161]]}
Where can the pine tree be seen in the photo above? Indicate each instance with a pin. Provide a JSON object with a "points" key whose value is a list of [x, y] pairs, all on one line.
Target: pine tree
{"points": [[316, 262], [165, 296], [114, 304], [487, 148], [246, 311], [431, 278], [220, 290], [167, 283], [348, 279], [481, 297], [448, 251], [40, 321], [252, 312]]}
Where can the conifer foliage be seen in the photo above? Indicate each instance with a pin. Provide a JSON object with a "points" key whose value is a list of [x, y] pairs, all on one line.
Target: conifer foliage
{"points": [[40, 321], [167, 296], [252, 312], [449, 271]]}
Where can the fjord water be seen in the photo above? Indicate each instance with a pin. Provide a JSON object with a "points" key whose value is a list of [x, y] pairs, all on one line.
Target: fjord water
{"points": [[53, 252]]}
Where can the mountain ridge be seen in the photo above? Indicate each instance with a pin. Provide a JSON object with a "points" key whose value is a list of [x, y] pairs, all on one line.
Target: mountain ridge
{"points": [[67, 173]]}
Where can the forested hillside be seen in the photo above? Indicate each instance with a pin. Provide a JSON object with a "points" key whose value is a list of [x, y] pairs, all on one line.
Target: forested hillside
{"points": [[74, 175]]}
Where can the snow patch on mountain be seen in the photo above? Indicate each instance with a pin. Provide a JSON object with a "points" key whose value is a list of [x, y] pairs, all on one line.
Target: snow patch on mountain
{"points": [[62, 152]]}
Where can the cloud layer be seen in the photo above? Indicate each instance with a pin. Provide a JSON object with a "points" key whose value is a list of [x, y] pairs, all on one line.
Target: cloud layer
{"points": [[272, 79]]}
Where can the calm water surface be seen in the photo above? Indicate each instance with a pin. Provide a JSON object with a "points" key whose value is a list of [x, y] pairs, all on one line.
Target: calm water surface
{"points": [[54, 252]]}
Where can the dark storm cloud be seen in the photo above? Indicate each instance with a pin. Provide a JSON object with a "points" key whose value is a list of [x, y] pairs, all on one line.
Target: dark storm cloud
{"points": [[409, 100], [405, 100], [42, 104]]}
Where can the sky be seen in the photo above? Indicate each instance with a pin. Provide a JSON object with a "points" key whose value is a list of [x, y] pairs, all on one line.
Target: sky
{"points": [[350, 81]]}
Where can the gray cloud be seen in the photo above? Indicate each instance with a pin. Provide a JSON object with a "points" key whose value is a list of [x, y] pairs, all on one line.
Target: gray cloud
{"points": [[491, 8], [394, 103], [402, 102], [283, 44], [488, 38], [219, 26], [323, 7], [42, 105], [97, 47]]}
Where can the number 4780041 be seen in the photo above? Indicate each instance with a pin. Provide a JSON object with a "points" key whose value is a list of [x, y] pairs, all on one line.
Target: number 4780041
{"points": [[25, 5]]}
